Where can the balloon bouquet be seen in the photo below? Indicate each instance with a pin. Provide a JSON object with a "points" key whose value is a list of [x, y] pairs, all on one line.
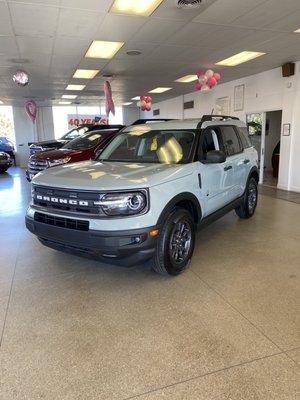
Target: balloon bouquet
{"points": [[145, 103], [207, 80]]}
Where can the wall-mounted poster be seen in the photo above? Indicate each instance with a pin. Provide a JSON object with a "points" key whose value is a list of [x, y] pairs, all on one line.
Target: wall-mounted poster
{"points": [[239, 97], [223, 106], [78, 119]]}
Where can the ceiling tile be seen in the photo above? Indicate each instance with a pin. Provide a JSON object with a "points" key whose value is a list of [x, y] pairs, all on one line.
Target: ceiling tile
{"points": [[36, 44], [169, 10], [102, 6], [190, 35], [31, 20], [78, 23], [5, 23], [8, 45]]}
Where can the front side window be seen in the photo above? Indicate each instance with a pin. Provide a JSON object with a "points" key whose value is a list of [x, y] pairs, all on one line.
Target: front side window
{"points": [[231, 141], [85, 141], [143, 145]]}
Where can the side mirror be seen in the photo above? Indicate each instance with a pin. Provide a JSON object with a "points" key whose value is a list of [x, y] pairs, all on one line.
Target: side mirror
{"points": [[215, 157]]}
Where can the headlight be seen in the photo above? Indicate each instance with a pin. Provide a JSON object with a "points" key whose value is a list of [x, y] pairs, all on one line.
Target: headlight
{"points": [[123, 203], [53, 163]]}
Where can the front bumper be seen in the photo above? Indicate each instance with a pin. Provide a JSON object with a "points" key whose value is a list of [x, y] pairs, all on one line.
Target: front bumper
{"points": [[126, 248]]}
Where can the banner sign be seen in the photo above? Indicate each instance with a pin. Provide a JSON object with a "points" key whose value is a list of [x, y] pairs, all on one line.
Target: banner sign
{"points": [[79, 119]]}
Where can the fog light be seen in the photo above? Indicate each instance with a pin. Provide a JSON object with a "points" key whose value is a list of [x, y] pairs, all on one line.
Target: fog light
{"points": [[154, 233]]}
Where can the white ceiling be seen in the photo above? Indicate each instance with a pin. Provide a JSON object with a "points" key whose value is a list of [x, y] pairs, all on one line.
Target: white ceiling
{"points": [[54, 35]]}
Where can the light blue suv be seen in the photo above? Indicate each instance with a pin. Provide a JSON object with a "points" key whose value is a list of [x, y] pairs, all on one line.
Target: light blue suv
{"points": [[147, 192]]}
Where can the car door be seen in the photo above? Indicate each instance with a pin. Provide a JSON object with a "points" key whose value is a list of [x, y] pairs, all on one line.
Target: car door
{"points": [[216, 179], [235, 161]]}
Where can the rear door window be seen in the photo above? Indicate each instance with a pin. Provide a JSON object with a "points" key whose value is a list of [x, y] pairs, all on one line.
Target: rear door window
{"points": [[244, 136], [231, 141]]}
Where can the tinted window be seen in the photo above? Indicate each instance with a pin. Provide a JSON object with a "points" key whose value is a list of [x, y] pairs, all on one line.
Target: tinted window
{"points": [[231, 141], [212, 140], [244, 136], [85, 141]]}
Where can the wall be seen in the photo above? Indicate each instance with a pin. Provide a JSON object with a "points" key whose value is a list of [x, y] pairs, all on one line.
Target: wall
{"points": [[130, 114], [266, 91]]}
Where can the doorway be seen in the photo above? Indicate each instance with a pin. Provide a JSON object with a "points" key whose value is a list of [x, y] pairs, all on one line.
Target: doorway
{"points": [[265, 131]]}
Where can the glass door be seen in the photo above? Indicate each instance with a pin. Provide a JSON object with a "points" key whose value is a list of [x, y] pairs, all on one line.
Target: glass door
{"points": [[257, 130]]}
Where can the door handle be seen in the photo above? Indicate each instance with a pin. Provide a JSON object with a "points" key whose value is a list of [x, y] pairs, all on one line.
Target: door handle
{"points": [[246, 161], [228, 168]]}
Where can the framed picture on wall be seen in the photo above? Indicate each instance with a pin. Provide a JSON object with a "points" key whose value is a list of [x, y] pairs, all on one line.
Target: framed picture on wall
{"points": [[239, 97], [223, 106]]}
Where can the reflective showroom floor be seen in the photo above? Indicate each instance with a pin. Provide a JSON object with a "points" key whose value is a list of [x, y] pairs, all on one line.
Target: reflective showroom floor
{"points": [[228, 328]]}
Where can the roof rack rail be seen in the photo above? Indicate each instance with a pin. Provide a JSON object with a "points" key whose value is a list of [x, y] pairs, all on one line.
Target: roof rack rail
{"points": [[147, 120], [206, 118]]}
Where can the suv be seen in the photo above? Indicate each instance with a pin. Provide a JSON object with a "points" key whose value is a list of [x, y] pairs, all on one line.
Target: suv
{"points": [[84, 147], [147, 192], [67, 137]]}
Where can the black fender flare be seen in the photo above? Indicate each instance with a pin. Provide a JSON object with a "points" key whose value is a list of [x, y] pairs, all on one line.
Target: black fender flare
{"points": [[184, 196]]}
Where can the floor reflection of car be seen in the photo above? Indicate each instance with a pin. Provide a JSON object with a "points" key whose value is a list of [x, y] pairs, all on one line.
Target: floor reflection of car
{"points": [[85, 147], [72, 134], [5, 162]]}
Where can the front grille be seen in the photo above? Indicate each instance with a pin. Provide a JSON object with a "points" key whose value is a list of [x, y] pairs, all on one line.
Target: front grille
{"points": [[62, 222], [70, 201], [35, 149], [35, 166]]}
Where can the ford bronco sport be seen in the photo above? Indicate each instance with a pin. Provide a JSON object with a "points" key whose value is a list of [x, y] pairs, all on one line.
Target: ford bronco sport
{"points": [[147, 192]]}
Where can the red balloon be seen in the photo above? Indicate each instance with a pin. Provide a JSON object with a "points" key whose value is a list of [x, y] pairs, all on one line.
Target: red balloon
{"points": [[149, 99], [198, 86], [217, 76], [148, 106], [200, 73], [211, 82], [143, 108]]}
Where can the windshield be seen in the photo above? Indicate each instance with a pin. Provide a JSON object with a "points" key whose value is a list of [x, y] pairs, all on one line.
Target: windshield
{"points": [[143, 145], [74, 133], [85, 141]]}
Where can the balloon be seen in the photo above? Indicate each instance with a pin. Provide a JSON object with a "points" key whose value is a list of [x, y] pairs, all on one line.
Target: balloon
{"points": [[200, 73], [209, 73], [143, 103], [217, 76], [211, 82], [198, 86], [31, 109], [143, 108], [205, 88], [109, 103], [21, 78], [148, 106], [202, 79]]}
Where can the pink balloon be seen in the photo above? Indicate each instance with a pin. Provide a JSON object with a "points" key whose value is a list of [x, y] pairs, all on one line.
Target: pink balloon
{"points": [[143, 103], [202, 80], [109, 103], [209, 73], [143, 108], [211, 82], [200, 73], [148, 106], [31, 109], [205, 88], [198, 86], [217, 76]]}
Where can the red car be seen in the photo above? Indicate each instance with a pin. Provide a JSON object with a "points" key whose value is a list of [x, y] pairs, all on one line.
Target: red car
{"points": [[83, 148]]}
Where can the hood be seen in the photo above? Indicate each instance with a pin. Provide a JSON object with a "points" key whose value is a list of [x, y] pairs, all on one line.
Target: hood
{"points": [[49, 143], [96, 175], [54, 154]]}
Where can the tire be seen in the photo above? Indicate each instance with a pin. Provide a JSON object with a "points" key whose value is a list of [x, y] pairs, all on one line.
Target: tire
{"points": [[176, 243], [248, 207]]}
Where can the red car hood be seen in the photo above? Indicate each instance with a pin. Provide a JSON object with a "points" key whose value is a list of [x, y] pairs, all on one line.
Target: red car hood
{"points": [[55, 154]]}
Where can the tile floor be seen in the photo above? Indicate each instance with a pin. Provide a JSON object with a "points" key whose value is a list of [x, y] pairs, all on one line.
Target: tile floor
{"points": [[228, 328]]}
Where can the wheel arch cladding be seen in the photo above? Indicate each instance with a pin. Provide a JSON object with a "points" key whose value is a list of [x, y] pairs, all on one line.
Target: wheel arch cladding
{"points": [[187, 201], [254, 174]]}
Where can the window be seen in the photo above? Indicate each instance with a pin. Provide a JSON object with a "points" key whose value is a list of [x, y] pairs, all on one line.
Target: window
{"points": [[86, 141], [212, 140], [244, 136], [231, 141], [146, 146], [7, 131]]}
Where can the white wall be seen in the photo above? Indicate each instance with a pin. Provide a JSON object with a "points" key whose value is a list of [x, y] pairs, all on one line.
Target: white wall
{"points": [[266, 91], [130, 114]]}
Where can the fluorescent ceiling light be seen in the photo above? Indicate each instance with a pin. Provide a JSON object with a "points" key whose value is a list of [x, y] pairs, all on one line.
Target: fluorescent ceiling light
{"points": [[135, 7], [127, 104], [85, 73], [136, 98], [160, 90], [240, 58], [75, 87], [69, 96], [1, 102], [187, 79], [65, 102], [297, 31], [102, 49]]}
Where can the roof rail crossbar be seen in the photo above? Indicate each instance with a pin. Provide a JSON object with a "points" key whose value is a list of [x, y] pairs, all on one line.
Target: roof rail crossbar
{"points": [[206, 118], [144, 121]]}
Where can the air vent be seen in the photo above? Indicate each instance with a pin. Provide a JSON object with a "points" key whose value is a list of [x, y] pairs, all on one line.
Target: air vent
{"points": [[189, 4], [156, 112]]}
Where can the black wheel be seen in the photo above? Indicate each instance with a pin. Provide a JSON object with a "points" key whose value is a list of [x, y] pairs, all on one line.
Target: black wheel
{"points": [[175, 245], [248, 207]]}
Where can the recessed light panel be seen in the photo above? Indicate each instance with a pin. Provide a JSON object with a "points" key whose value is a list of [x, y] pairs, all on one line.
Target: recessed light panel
{"points": [[135, 7], [136, 98], [75, 87], [103, 49], [65, 103], [297, 30], [85, 73], [127, 104], [240, 58], [69, 96], [187, 79], [160, 90]]}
